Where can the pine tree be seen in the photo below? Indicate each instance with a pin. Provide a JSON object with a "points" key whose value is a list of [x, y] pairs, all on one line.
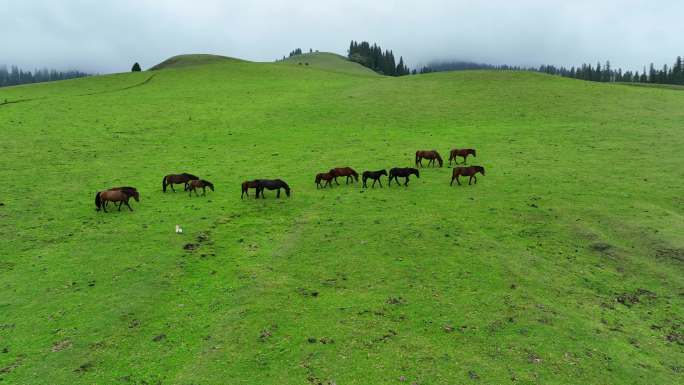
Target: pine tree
{"points": [[136, 67]]}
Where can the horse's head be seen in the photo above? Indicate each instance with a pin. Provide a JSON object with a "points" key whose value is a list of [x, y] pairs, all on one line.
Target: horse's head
{"points": [[474, 153], [136, 196], [415, 171], [210, 185], [287, 190], [481, 169], [383, 172], [318, 178], [439, 159]]}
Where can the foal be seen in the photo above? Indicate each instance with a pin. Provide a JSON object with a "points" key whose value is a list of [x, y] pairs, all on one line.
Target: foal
{"points": [[246, 185], [375, 175], [327, 177], [193, 185], [466, 171]]}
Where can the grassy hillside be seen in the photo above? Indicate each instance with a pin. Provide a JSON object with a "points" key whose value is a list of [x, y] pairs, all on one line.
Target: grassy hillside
{"points": [[562, 265], [191, 60], [328, 62]]}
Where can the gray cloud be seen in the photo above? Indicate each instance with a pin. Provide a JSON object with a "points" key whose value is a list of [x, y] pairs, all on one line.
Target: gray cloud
{"points": [[108, 36]]}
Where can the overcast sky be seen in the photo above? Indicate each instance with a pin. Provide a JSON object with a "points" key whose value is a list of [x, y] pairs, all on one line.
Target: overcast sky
{"points": [[109, 35]]}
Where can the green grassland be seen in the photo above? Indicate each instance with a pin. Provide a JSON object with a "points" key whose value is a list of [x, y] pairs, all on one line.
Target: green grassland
{"points": [[564, 264]]}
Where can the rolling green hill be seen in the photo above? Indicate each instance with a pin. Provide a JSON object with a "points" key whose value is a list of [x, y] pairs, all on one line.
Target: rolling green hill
{"points": [[562, 265], [329, 62], [190, 60]]}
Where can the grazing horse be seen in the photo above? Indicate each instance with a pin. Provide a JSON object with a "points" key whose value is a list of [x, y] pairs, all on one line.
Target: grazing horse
{"points": [[271, 184], [102, 197], [327, 177], [464, 152], [375, 175], [246, 185], [194, 184], [402, 172], [345, 171], [172, 179], [431, 155], [132, 191], [466, 171]]}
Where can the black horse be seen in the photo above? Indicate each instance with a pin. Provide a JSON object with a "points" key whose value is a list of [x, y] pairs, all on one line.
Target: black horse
{"points": [[375, 175], [271, 184], [402, 172], [172, 179]]}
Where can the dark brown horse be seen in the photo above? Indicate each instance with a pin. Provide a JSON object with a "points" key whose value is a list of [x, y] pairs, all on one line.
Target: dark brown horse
{"points": [[375, 175], [431, 155], [102, 197], [464, 152], [402, 172], [327, 177], [466, 171], [194, 184], [172, 179], [345, 171], [271, 184], [246, 185]]}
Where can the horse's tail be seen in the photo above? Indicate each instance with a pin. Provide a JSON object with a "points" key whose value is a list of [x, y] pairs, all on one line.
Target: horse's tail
{"points": [[98, 201], [164, 184], [417, 156]]}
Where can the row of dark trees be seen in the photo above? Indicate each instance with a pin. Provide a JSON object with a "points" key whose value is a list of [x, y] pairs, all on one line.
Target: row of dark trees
{"points": [[373, 57], [605, 73], [15, 75], [599, 73]]}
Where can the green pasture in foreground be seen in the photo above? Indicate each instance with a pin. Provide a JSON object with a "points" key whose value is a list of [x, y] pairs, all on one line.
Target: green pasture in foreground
{"points": [[564, 264]]}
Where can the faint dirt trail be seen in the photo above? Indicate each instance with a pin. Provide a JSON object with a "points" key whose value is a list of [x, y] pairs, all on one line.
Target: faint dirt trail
{"points": [[146, 81]]}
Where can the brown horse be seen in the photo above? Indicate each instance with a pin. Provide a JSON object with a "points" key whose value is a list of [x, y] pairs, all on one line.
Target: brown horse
{"points": [[172, 179], [132, 191], [466, 171], [194, 184], [102, 197], [345, 171], [246, 185], [462, 153], [327, 177], [431, 155]]}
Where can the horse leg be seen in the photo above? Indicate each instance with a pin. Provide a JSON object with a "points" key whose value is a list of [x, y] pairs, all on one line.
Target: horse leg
{"points": [[380, 182], [120, 203], [470, 180], [475, 177], [278, 194], [406, 183], [104, 206], [129, 206]]}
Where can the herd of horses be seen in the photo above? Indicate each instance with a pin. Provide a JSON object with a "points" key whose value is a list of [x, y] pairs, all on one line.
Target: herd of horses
{"points": [[192, 183]]}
